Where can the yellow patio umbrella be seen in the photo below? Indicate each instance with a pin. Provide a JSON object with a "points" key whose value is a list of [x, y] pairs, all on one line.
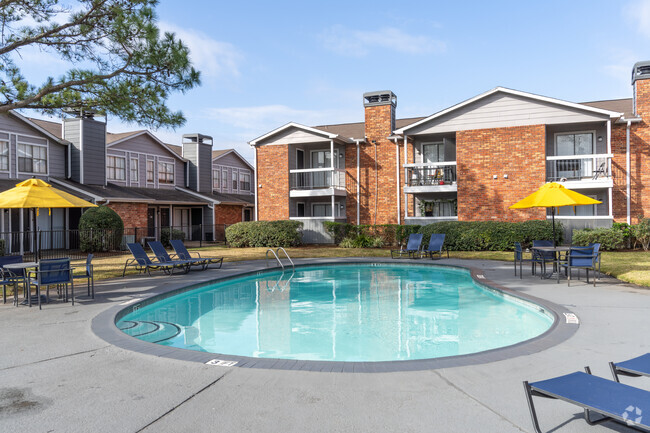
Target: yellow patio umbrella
{"points": [[35, 193], [553, 195]]}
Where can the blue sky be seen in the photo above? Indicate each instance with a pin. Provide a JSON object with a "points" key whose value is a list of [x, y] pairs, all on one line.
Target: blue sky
{"points": [[268, 63]]}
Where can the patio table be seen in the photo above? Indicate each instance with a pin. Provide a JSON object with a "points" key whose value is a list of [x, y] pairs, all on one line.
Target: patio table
{"points": [[18, 266], [556, 264]]}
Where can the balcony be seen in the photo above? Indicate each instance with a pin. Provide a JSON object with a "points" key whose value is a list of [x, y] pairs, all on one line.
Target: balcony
{"points": [[430, 177], [580, 171], [315, 182]]}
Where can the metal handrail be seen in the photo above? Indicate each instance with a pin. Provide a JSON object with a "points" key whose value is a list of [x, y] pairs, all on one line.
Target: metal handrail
{"points": [[286, 254], [270, 250]]}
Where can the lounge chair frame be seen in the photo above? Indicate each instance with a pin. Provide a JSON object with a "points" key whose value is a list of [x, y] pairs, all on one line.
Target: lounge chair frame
{"points": [[429, 252], [162, 256], [182, 253], [411, 252], [144, 263], [623, 370], [531, 392]]}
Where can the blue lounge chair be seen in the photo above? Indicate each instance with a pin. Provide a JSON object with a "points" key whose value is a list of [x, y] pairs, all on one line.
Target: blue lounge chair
{"points": [[412, 249], [614, 401], [161, 255], [580, 258], [142, 262], [183, 254], [636, 367], [436, 243]]}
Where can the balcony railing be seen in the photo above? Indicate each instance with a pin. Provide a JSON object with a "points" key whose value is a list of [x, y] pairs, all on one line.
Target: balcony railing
{"points": [[430, 173], [579, 167], [316, 178]]}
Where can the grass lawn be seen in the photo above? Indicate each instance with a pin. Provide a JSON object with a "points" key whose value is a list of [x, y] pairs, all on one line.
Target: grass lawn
{"points": [[631, 266]]}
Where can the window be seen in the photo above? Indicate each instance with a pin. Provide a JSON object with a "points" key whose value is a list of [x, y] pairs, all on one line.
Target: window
{"points": [[438, 208], [321, 210], [216, 178], [134, 170], [433, 152], [32, 159], [150, 171], [115, 168], [165, 172], [224, 179], [4, 155], [234, 180], [580, 211], [575, 144], [245, 182]]}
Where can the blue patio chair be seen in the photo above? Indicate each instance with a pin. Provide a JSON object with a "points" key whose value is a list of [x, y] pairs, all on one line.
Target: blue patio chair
{"points": [[436, 243], [88, 276], [580, 258], [635, 367], [161, 255], [183, 254], [53, 272], [412, 247], [142, 262], [596, 253], [519, 258], [543, 257], [10, 278], [614, 401]]}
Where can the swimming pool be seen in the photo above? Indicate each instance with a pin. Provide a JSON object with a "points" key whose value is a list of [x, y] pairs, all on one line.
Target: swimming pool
{"points": [[352, 313]]}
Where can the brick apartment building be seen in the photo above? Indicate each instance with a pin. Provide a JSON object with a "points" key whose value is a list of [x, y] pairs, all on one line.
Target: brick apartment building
{"points": [[150, 184], [468, 162]]}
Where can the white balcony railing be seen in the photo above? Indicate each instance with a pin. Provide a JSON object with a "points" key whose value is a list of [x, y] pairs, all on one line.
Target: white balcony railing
{"points": [[579, 167], [430, 173], [316, 178]]}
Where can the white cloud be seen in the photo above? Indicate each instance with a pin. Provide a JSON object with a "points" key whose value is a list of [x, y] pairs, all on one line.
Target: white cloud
{"points": [[359, 43], [265, 117], [638, 12], [213, 58]]}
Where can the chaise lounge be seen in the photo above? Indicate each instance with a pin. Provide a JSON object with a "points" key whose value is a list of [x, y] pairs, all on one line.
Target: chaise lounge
{"points": [[183, 254], [412, 247], [142, 262], [612, 400], [636, 367]]}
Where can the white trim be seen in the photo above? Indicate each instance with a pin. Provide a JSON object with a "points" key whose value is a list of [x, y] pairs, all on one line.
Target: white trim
{"points": [[80, 190], [146, 154], [316, 131], [587, 131], [81, 152], [115, 157], [8, 170], [173, 165], [315, 170], [628, 176], [198, 195], [131, 158], [156, 139], [40, 129], [198, 159], [611, 114], [47, 158], [256, 185], [431, 164], [236, 153], [588, 156], [586, 217]]}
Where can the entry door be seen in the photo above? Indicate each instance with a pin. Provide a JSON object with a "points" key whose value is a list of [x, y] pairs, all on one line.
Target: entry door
{"points": [[151, 222], [248, 214], [182, 221]]}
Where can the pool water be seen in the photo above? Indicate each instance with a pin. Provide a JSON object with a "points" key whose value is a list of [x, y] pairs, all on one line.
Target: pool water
{"points": [[360, 312]]}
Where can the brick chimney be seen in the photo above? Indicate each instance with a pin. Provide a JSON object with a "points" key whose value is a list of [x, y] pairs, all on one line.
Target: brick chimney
{"points": [[378, 205], [641, 89]]}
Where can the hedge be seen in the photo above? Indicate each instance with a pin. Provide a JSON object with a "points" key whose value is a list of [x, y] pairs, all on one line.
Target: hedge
{"points": [[491, 235], [175, 235], [100, 229], [609, 239], [388, 234], [264, 234]]}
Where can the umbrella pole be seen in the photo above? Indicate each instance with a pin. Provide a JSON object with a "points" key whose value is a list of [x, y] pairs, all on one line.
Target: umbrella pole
{"points": [[553, 220]]}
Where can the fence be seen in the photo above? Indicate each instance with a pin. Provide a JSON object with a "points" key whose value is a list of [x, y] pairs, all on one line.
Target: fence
{"points": [[76, 244]]}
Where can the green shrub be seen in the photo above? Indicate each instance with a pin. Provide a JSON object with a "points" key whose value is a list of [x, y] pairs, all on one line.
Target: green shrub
{"points": [[491, 235], [641, 232], [390, 234], [100, 229], [609, 239], [175, 235], [362, 240], [338, 231], [264, 234]]}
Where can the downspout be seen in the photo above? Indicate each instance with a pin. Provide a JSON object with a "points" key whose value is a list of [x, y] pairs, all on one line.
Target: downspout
{"points": [[358, 183], [628, 177], [406, 160], [256, 184], [399, 202], [376, 181]]}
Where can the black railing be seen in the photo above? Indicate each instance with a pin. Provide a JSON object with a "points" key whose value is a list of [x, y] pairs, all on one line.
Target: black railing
{"points": [[76, 244], [429, 176]]}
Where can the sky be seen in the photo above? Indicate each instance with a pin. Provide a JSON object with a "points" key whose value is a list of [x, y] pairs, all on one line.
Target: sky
{"points": [[264, 64]]}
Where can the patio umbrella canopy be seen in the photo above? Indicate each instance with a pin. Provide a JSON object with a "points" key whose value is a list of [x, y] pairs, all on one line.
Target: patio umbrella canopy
{"points": [[553, 195], [34, 194]]}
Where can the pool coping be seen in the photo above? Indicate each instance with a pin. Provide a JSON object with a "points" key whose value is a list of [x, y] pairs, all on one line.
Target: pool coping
{"points": [[103, 325]]}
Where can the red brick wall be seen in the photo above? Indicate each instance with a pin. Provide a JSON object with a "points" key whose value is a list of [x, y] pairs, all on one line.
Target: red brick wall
{"points": [[228, 214], [351, 183], [273, 175], [132, 214], [639, 161], [518, 152], [378, 186]]}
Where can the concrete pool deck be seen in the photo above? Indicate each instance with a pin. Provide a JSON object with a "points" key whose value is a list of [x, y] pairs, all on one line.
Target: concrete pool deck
{"points": [[57, 375]]}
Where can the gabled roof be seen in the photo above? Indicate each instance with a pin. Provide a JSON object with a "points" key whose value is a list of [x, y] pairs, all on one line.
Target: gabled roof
{"points": [[625, 105], [216, 154], [357, 130], [124, 136], [583, 107], [43, 126], [289, 125]]}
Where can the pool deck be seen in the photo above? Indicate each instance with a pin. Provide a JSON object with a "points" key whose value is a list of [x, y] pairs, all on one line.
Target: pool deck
{"points": [[57, 375]]}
